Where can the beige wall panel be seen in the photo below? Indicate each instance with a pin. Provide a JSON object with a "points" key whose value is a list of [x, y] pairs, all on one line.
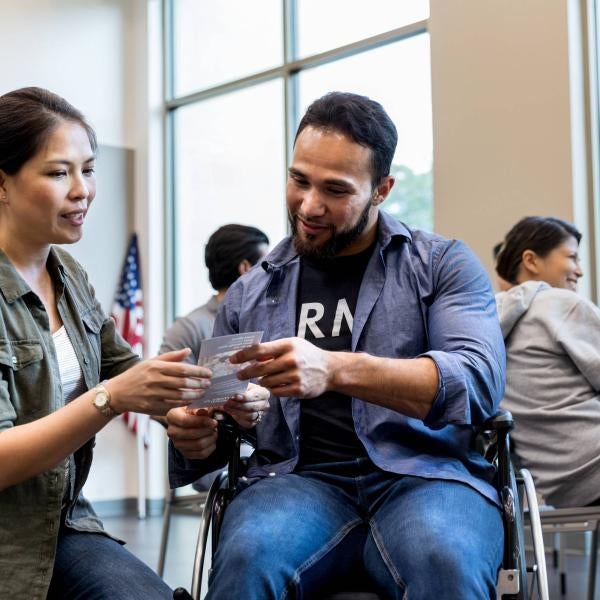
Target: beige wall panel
{"points": [[501, 113]]}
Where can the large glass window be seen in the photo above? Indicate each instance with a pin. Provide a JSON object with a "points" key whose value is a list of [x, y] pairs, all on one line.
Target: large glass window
{"points": [[240, 75], [229, 168], [215, 42], [326, 25]]}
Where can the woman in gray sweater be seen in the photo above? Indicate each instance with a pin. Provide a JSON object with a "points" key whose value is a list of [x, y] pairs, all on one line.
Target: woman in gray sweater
{"points": [[552, 340]]}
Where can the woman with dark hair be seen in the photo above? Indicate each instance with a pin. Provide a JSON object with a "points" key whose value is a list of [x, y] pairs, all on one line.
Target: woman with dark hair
{"points": [[552, 338], [64, 370]]}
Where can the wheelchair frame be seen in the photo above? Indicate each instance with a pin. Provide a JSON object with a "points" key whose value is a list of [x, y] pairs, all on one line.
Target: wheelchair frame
{"points": [[514, 576]]}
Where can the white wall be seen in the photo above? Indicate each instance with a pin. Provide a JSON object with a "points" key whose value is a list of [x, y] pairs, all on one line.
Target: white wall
{"points": [[73, 48]]}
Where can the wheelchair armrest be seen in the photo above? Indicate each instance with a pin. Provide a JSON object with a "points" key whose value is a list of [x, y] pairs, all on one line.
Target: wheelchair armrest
{"points": [[501, 422], [496, 444]]}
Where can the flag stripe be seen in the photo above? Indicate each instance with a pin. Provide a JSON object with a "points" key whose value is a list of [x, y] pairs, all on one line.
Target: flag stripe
{"points": [[128, 315]]}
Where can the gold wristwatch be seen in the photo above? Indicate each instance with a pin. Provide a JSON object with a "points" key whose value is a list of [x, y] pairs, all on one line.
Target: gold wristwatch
{"points": [[101, 400]]}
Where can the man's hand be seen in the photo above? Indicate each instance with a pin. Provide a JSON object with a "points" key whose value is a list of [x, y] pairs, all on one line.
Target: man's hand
{"points": [[248, 408], [194, 434], [288, 367]]}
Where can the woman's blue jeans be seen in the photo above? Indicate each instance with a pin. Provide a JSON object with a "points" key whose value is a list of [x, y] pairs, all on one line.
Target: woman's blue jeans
{"points": [[292, 536], [92, 566]]}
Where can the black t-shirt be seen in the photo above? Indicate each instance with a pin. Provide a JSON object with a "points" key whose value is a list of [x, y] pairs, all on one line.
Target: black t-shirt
{"points": [[326, 303]]}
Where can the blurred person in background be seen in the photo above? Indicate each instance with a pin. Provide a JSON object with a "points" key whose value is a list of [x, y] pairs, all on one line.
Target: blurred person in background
{"points": [[552, 338], [231, 251]]}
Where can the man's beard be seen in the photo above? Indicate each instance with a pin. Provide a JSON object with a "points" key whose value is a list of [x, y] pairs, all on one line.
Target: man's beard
{"points": [[335, 244]]}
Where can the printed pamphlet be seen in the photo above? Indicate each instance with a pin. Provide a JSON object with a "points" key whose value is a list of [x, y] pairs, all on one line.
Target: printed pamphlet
{"points": [[214, 354]]}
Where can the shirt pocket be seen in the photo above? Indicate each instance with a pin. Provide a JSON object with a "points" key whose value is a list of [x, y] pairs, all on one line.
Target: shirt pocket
{"points": [[26, 387], [92, 322]]}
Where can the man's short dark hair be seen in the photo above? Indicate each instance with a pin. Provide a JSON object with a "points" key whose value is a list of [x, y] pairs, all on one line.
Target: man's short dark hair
{"points": [[362, 120], [227, 247]]}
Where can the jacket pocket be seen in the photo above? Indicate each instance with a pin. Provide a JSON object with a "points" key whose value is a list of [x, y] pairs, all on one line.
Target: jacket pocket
{"points": [[92, 322], [26, 383]]}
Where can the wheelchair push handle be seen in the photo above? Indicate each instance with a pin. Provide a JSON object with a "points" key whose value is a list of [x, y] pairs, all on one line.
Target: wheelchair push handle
{"points": [[502, 421]]}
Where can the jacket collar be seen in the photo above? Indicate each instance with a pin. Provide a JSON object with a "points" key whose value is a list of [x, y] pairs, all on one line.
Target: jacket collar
{"points": [[13, 286], [388, 228]]}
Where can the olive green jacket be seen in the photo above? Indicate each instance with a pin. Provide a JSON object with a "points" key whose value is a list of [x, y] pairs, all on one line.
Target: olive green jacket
{"points": [[30, 388]]}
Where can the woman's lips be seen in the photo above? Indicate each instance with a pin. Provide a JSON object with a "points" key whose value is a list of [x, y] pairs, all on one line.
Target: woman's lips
{"points": [[75, 218]]}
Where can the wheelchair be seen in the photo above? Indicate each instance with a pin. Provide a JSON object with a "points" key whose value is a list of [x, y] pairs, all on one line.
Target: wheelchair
{"points": [[516, 579]]}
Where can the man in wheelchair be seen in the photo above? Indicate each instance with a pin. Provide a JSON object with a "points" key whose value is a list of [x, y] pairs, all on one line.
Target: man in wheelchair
{"points": [[383, 353]]}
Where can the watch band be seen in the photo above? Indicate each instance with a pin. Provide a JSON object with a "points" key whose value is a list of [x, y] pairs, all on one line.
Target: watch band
{"points": [[103, 406]]}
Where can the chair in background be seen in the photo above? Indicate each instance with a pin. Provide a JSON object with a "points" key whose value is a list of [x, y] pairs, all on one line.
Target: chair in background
{"points": [[557, 521], [515, 576], [191, 504]]}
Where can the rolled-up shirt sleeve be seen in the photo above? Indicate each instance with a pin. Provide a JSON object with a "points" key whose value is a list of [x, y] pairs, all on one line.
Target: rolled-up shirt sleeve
{"points": [[465, 341]]}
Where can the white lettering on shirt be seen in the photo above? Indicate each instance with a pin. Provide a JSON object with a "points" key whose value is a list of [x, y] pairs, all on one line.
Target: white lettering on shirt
{"points": [[311, 321], [312, 312], [342, 310]]}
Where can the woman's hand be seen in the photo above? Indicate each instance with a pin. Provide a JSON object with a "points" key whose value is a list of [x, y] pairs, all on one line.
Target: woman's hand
{"points": [[193, 433], [156, 385], [248, 408]]}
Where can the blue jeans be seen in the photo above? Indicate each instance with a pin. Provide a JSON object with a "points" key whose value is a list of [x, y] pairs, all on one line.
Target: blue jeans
{"points": [[290, 536], [92, 566]]}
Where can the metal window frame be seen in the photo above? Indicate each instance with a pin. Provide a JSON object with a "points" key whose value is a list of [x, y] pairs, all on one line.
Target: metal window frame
{"points": [[288, 70], [591, 39]]}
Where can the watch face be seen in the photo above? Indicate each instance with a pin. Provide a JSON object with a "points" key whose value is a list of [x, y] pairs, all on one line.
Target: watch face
{"points": [[101, 399]]}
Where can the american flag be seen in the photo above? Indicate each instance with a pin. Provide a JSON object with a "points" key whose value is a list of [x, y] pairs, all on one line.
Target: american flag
{"points": [[128, 314]]}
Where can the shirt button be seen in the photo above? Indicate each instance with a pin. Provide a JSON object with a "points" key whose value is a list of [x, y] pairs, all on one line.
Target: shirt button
{"points": [[244, 478], [86, 360], [271, 474], [14, 360]]}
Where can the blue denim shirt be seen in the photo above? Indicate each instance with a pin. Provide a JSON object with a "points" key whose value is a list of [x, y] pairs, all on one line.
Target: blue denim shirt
{"points": [[421, 295]]}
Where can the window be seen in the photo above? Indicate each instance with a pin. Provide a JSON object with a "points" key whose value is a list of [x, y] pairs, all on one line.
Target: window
{"points": [[214, 42], [239, 76], [326, 25], [223, 176]]}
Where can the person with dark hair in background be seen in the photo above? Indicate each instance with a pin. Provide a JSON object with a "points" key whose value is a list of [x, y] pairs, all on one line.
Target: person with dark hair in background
{"points": [[382, 352], [231, 251], [552, 338]]}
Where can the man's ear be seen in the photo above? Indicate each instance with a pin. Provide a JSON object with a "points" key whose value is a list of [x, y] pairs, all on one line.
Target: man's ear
{"points": [[383, 190], [244, 266], [3, 191]]}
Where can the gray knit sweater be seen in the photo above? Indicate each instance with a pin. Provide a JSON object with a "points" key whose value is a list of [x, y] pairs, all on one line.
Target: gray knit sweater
{"points": [[553, 388]]}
